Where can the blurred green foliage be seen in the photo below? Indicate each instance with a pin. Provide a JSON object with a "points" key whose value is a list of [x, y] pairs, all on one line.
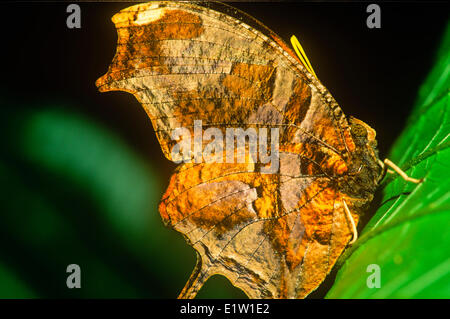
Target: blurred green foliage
{"points": [[74, 192], [409, 236]]}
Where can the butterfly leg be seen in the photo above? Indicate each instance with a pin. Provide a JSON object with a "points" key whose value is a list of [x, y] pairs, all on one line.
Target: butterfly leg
{"points": [[388, 163], [384, 170], [352, 222]]}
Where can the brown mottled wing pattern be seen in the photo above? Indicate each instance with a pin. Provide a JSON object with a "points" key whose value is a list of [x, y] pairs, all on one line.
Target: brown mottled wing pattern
{"points": [[272, 235]]}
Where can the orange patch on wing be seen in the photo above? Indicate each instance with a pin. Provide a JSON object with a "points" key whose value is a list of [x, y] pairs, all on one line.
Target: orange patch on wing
{"points": [[267, 205], [296, 108], [220, 219], [250, 80], [318, 215], [180, 198], [329, 133], [317, 159]]}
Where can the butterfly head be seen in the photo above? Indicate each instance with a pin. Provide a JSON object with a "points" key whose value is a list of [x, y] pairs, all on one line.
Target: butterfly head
{"points": [[363, 135], [365, 164]]}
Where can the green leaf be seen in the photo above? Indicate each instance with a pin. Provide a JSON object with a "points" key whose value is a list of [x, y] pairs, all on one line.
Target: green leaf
{"points": [[409, 235]]}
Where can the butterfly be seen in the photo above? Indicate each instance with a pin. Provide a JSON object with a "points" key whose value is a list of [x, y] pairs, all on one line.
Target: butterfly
{"points": [[276, 234]]}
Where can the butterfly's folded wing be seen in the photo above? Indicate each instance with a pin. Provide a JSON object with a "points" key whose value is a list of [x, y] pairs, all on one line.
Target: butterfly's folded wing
{"points": [[273, 235]]}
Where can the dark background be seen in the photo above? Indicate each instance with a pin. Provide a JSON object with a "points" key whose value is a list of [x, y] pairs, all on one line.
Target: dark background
{"points": [[48, 78]]}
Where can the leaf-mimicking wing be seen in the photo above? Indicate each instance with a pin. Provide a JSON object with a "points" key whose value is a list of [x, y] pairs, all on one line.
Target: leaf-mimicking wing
{"points": [[272, 235]]}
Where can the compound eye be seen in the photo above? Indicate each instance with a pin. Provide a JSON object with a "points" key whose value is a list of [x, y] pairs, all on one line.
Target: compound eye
{"points": [[358, 130]]}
